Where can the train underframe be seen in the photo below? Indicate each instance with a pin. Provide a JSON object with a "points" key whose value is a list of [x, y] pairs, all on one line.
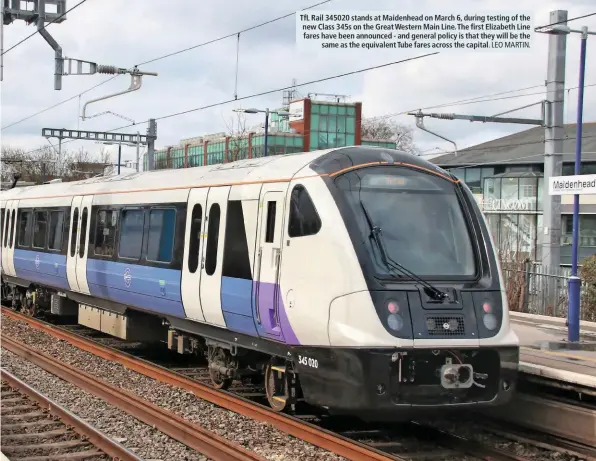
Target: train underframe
{"points": [[373, 383]]}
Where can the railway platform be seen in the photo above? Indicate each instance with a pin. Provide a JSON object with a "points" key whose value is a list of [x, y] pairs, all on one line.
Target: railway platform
{"points": [[545, 352]]}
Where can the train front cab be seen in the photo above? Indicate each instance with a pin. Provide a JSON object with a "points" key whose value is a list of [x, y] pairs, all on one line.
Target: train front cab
{"points": [[401, 345]]}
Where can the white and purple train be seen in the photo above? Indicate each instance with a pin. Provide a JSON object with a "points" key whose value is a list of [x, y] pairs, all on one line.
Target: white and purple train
{"points": [[359, 279]]}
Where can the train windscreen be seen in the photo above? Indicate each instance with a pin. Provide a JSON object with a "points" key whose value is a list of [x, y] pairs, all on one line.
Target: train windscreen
{"points": [[422, 223]]}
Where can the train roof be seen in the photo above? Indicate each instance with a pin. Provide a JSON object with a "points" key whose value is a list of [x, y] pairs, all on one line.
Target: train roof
{"points": [[262, 169]]}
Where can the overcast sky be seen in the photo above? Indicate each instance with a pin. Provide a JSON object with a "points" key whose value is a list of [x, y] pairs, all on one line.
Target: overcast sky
{"points": [[125, 33]]}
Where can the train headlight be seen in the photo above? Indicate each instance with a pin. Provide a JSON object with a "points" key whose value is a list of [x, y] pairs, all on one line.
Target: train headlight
{"points": [[392, 306], [395, 322], [490, 321]]}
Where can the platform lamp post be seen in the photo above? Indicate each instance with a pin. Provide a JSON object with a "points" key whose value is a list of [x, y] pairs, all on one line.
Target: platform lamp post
{"points": [[574, 281], [266, 112]]}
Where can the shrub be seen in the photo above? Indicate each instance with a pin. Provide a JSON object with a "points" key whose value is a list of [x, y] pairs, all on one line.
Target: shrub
{"points": [[587, 274]]}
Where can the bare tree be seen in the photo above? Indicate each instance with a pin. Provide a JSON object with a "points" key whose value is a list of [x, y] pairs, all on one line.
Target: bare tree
{"points": [[44, 164], [388, 130], [237, 131]]}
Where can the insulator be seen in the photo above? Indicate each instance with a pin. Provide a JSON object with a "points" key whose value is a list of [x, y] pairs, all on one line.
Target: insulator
{"points": [[444, 116], [110, 70]]}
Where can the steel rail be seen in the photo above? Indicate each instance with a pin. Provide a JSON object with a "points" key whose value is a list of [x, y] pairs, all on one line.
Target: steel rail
{"points": [[100, 440], [322, 438], [207, 443]]}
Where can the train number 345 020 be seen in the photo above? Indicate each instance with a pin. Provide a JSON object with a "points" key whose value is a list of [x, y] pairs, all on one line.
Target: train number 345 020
{"points": [[308, 362]]}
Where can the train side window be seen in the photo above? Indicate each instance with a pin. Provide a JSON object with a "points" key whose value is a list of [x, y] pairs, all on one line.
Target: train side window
{"points": [[56, 230], [2, 224], [304, 219], [105, 232], [82, 241], [24, 231], [270, 230], [195, 238], [5, 230], [212, 239], [162, 227], [12, 226], [236, 261], [131, 234], [73, 239], [40, 229]]}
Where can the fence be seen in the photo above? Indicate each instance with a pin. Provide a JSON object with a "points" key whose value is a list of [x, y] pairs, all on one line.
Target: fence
{"points": [[532, 289]]}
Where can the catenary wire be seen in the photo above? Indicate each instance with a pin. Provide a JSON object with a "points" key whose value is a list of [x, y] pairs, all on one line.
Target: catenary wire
{"points": [[162, 57], [566, 20], [43, 27], [276, 90], [230, 35]]}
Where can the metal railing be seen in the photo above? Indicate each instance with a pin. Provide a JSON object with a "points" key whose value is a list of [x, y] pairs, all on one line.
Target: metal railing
{"points": [[532, 289]]}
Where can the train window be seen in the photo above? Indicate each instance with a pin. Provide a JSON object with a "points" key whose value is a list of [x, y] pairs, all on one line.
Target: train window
{"points": [[56, 230], [73, 238], [12, 226], [82, 241], [270, 230], [162, 227], [304, 219], [5, 231], [2, 224], [40, 229], [195, 238], [105, 232], [236, 262], [131, 234], [212, 239], [24, 231]]}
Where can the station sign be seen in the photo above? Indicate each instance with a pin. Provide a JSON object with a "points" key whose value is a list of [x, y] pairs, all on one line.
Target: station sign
{"points": [[584, 184]]}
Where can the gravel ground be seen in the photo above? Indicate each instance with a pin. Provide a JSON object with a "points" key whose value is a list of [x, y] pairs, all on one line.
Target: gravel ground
{"points": [[134, 435], [259, 437]]}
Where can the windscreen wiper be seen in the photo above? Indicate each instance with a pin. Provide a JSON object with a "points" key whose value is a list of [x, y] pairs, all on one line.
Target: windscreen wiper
{"points": [[375, 234]]}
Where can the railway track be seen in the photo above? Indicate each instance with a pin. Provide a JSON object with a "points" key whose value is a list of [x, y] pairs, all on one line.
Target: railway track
{"points": [[37, 428], [349, 438]]}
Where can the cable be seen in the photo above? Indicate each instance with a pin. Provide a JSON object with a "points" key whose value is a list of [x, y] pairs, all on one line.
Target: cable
{"points": [[231, 35], [221, 103], [162, 57], [44, 26], [566, 20], [59, 103], [464, 102], [277, 90]]}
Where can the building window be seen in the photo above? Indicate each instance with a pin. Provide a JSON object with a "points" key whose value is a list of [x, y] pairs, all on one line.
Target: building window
{"points": [[162, 227], [304, 219], [131, 235]]}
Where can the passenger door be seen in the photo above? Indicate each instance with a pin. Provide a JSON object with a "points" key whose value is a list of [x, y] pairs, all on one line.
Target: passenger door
{"points": [[211, 263], [9, 240], [72, 254], [267, 291], [83, 244], [193, 253]]}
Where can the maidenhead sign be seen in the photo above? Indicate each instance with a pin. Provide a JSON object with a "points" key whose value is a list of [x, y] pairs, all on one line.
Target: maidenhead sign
{"points": [[566, 185]]}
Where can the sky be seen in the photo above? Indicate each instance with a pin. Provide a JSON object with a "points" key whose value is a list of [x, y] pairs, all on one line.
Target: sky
{"points": [[125, 34]]}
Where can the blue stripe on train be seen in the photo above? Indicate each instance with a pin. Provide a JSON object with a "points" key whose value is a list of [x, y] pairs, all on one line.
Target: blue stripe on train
{"points": [[146, 287], [43, 268], [236, 305]]}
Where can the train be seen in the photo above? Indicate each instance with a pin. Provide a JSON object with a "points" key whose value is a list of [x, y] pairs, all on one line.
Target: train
{"points": [[359, 280]]}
